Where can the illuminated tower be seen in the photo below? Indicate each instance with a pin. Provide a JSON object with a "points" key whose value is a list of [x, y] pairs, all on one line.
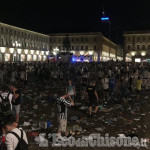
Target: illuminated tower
{"points": [[106, 24]]}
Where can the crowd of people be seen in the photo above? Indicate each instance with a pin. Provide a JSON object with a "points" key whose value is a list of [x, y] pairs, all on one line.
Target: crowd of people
{"points": [[94, 82]]}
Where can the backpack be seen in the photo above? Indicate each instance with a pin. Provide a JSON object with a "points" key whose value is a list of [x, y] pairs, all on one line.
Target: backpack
{"points": [[22, 145], [21, 99], [5, 105]]}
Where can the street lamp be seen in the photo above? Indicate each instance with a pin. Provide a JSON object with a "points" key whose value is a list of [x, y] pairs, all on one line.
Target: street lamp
{"points": [[19, 51], [143, 53], [81, 52], [42, 52], [32, 52], [54, 53], [56, 49], [11, 50], [133, 53], [26, 51], [3, 49], [90, 52]]}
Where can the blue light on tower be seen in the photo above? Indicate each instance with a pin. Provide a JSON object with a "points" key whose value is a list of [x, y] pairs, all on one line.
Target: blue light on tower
{"points": [[105, 18]]}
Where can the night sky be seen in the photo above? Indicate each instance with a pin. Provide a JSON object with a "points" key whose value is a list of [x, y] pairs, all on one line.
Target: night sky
{"points": [[76, 15]]}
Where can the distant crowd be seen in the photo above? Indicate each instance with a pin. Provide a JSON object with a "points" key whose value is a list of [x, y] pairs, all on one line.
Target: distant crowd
{"points": [[110, 78]]}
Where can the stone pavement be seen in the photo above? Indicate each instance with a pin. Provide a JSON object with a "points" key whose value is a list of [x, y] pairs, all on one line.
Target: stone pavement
{"points": [[112, 118]]}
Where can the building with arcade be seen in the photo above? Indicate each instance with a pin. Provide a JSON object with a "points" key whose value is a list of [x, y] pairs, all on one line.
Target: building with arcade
{"points": [[18, 44]]}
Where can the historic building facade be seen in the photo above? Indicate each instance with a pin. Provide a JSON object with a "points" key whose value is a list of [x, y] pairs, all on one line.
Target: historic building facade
{"points": [[137, 46], [17, 44], [86, 46]]}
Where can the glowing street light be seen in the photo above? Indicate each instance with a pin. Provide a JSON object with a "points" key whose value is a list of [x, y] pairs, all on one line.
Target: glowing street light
{"points": [[11, 50], [3, 49], [26, 51], [90, 52], [133, 53], [19, 51], [143, 53], [56, 49], [54, 53]]}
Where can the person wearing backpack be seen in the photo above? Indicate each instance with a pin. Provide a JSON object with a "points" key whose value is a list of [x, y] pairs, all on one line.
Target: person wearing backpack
{"points": [[16, 139], [5, 101], [5, 107], [17, 101]]}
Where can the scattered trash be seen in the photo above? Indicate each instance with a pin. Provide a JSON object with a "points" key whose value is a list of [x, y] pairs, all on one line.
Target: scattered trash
{"points": [[137, 119], [43, 125], [99, 129], [35, 129], [44, 144], [146, 97], [39, 139], [35, 134], [77, 128], [74, 118], [26, 124]]}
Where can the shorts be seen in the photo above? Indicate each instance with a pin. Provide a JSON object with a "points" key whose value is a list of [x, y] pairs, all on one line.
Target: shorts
{"points": [[138, 91], [106, 90], [62, 125], [93, 102], [17, 109]]}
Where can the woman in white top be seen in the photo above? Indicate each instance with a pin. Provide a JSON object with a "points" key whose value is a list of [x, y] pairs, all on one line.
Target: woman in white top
{"points": [[105, 85]]}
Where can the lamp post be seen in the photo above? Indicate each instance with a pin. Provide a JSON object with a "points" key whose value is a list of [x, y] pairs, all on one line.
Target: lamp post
{"points": [[56, 50]]}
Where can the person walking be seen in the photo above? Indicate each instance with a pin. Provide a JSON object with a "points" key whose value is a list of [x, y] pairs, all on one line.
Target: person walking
{"points": [[93, 98]]}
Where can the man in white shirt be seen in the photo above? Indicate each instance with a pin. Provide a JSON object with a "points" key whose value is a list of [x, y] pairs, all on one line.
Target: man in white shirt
{"points": [[11, 140], [105, 82]]}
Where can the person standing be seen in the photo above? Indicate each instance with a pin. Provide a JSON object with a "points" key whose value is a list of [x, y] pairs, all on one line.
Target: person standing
{"points": [[138, 86], [1, 76], [17, 102], [14, 136], [112, 84], [62, 105], [93, 97], [5, 107], [123, 93], [70, 89], [105, 82]]}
